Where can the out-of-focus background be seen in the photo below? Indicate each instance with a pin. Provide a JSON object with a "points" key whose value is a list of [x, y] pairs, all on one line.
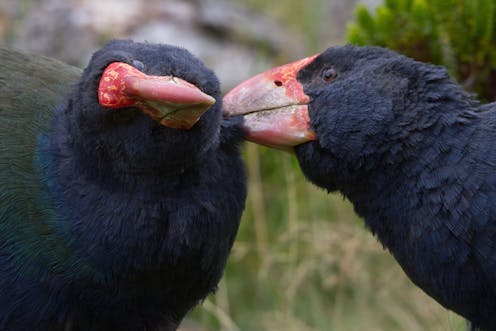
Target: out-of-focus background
{"points": [[302, 259]]}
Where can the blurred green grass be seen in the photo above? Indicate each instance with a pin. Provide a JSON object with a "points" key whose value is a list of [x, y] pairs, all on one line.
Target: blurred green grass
{"points": [[302, 259]]}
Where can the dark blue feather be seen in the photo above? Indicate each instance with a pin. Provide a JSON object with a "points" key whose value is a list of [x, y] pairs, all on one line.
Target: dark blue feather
{"points": [[416, 155]]}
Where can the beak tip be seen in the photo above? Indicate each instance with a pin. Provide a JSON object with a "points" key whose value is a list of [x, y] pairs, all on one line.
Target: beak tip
{"points": [[209, 100]]}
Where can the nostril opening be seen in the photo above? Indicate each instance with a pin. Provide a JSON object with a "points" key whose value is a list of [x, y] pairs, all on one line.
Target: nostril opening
{"points": [[278, 83]]}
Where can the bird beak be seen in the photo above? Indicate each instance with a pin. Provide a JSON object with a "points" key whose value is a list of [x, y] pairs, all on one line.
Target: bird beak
{"points": [[274, 107], [169, 100]]}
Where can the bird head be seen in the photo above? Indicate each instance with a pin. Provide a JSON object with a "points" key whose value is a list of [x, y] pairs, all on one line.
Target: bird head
{"points": [[146, 105], [340, 110]]}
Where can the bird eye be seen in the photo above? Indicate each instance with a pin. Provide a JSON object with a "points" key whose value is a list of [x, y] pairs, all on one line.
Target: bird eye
{"points": [[329, 74], [138, 65]]}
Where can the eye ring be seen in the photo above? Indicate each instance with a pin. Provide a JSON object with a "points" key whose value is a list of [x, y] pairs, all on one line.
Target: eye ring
{"points": [[329, 74], [138, 65]]}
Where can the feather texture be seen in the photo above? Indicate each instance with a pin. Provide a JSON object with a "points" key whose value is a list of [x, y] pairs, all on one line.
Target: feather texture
{"points": [[109, 220], [415, 155]]}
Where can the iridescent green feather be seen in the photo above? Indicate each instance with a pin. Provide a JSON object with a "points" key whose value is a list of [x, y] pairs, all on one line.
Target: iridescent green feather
{"points": [[31, 230]]}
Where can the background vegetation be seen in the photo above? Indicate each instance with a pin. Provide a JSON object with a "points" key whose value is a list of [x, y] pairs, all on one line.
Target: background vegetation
{"points": [[459, 34]]}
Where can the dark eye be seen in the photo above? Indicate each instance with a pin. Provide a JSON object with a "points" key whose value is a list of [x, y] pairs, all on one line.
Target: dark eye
{"points": [[138, 65], [329, 74]]}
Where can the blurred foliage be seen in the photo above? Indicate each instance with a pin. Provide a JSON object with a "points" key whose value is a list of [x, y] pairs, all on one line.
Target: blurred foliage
{"points": [[294, 14], [459, 34], [321, 22]]}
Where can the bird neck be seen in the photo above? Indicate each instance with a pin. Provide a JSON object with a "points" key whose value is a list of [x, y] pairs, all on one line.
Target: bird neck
{"points": [[417, 172]]}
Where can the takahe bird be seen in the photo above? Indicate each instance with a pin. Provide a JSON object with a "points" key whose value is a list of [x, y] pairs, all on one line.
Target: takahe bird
{"points": [[413, 152], [118, 208]]}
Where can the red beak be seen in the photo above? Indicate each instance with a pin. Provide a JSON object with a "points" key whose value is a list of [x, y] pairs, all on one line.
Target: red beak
{"points": [[169, 100], [274, 107]]}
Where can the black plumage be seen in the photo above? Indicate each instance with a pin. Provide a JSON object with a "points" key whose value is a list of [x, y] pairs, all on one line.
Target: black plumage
{"points": [[412, 151], [110, 220]]}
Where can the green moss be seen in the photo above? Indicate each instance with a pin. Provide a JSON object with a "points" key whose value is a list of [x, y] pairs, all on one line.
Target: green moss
{"points": [[459, 34]]}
